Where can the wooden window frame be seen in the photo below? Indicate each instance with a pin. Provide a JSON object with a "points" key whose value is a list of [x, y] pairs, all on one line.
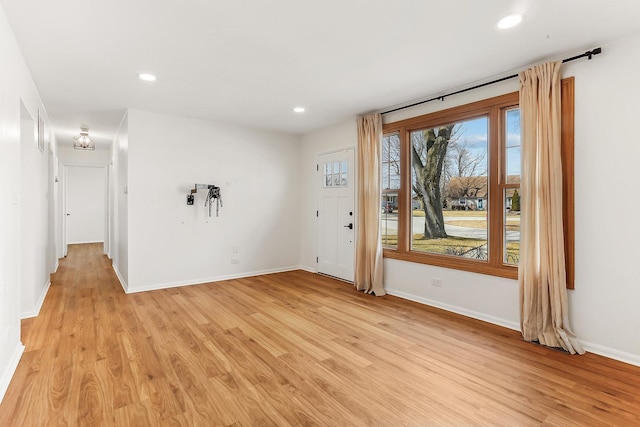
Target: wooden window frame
{"points": [[494, 108]]}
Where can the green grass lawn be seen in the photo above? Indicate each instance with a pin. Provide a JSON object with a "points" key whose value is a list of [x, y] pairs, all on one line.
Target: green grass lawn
{"points": [[451, 246], [511, 225], [459, 245], [440, 246], [513, 221], [420, 213]]}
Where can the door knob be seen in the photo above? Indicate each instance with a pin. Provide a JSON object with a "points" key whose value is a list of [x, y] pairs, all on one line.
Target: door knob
{"points": [[68, 214], [350, 226]]}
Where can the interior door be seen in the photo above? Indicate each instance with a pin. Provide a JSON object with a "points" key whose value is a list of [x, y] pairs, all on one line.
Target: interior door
{"points": [[336, 214], [85, 204]]}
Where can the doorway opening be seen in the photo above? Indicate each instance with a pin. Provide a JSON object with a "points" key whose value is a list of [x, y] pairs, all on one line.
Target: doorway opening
{"points": [[85, 205]]}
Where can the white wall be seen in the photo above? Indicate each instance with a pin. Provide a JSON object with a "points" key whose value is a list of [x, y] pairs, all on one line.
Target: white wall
{"points": [[119, 207], [603, 307], [16, 163], [173, 244], [71, 156], [343, 135], [605, 303], [34, 195], [53, 213]]}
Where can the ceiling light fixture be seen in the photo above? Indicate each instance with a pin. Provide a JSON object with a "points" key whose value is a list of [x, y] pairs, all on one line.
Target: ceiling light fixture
{"points": [[298, 110], [82, 141], [510, 21], [147, 77]]}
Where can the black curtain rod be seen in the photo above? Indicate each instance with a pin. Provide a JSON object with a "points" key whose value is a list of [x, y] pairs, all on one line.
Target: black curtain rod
{"points": [[588, 54]]}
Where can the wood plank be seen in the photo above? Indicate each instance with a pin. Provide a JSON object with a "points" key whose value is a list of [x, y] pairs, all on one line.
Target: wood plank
{"points": [[291, 348]]}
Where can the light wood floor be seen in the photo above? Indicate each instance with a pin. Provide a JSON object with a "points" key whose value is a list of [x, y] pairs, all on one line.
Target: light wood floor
{"points": [[289, 349]]}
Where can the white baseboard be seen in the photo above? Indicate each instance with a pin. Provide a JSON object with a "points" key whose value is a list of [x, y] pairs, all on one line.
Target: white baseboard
{"points": [[5, 379], [158, 286], [611, 353], [454, 309], [123, 283], [308, 269], [41, 298], [601, 350]]}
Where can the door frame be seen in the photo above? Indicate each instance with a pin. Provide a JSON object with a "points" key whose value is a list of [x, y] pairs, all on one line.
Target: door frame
{"points": [[355, 201], [63, 214]]}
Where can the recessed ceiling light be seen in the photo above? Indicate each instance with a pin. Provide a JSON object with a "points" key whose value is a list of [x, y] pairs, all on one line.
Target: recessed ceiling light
{"points": [[510, 21], [298, 110], [147, 77]]}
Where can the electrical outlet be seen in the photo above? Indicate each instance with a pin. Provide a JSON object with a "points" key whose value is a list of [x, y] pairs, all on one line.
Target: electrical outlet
{"points": [[189, 199], [436, 282]]}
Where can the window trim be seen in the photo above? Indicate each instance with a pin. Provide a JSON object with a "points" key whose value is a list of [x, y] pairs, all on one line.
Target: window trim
{"points": [[567, 107], [494, 106]]}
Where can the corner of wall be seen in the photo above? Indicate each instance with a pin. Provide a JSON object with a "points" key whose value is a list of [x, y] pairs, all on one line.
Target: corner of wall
{"points": [[36, 311], [10, 369], [123, 283], [308, 269]]}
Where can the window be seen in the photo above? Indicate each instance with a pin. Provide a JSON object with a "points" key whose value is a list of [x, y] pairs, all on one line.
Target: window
{"points": [[511, 187], [335, 174], [390, 188], [448, 177], [451, 186]]}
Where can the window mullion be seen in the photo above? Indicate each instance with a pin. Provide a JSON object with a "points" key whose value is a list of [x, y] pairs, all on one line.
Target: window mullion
{"points": [[495, 192], [404, 196]]}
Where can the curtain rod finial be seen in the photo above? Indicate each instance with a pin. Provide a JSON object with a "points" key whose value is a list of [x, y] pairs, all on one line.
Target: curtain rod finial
{"points": [[593, 52]]}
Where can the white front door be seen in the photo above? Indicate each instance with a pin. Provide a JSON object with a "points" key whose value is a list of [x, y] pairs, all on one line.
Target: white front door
{"points": [[336, 214], [85, 207]]}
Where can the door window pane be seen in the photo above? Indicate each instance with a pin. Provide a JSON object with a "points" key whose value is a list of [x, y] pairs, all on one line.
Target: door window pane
{"points": [[336, 174], [343, 173], [328, 176]]}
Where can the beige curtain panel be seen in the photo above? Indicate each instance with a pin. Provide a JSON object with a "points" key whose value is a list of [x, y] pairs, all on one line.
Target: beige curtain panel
{"points": [[368, 274], [544, 310]]}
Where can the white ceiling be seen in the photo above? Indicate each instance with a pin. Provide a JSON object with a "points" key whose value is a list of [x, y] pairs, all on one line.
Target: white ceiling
{"points": [[250, 62]]}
